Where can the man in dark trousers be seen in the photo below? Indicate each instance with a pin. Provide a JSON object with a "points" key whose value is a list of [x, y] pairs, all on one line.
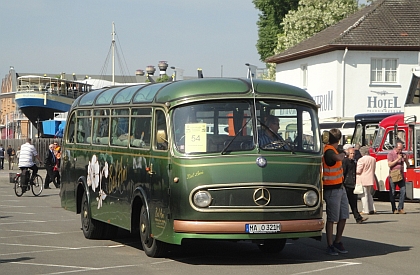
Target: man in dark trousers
{"points": [[1, 156], [349, 171], [50, 162], [11, 156]]}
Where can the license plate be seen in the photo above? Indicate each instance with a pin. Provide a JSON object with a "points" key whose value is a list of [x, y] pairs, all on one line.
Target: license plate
{"points": [[262, 228]]}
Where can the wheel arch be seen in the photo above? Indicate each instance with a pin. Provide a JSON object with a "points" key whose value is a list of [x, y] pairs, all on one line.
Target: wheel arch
{"points": [[139, 199], [81, 188]]}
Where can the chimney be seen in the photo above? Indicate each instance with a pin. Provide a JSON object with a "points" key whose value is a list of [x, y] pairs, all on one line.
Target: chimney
{"points": [[150, 70], [163, 65]]}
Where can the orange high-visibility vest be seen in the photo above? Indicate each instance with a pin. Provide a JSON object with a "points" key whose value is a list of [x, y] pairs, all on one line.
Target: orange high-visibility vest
{"points": [[332, 175]]}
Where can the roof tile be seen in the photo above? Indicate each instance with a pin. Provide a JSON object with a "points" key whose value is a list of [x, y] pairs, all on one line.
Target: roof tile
{"points": [[383, 25]]}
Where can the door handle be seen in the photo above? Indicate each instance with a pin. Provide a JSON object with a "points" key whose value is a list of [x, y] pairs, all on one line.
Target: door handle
{"points": [[150, 169]]}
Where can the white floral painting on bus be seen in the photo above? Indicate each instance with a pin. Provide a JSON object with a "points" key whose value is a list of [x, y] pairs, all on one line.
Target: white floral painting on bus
{"points": [[95, 176]]}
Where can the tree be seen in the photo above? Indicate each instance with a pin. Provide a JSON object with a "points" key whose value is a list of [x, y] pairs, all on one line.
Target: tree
{"points": [[312, 16], [269, 23], [162, 78]]}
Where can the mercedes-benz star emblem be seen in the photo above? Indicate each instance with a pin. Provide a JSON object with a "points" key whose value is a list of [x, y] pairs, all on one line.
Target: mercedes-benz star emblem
{"points": [[261, 162], [261, 196]]}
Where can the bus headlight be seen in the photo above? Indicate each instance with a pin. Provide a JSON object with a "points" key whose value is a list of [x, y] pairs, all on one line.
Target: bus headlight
{"points": [[310, 198], [202, 199]]}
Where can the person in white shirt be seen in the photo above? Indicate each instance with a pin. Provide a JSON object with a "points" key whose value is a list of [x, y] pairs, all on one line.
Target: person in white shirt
{"points": [[26, 158]]}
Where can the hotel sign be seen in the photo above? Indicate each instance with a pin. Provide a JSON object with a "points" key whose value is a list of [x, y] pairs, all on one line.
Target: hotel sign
{"points": [[383, 102]]}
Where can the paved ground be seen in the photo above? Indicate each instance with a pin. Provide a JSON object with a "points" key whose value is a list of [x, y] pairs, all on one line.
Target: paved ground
{"points": [[37, 236]]}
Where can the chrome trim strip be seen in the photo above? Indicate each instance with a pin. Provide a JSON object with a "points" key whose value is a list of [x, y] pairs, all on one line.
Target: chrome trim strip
{"points": [[261, 209], [238, 227]]}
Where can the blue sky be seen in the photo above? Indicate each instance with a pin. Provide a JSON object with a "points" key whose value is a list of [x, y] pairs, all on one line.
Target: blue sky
{"points": [[54, 36]]}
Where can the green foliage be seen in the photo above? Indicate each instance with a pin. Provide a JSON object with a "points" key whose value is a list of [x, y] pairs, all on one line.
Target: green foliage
{"points": [[269, 23], [162, 78], [312, 16]]}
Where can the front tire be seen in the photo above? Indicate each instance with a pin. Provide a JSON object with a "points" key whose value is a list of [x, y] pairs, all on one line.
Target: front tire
{"points": [[92, 229], [152, 247], [18, 187]]}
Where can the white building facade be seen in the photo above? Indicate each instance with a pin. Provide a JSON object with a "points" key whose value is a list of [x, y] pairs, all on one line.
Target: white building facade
{"points": [[362, 64], [348, 82]]}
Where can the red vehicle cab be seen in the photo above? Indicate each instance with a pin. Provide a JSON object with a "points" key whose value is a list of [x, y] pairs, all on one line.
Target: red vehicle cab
{"points": [[405, 127], [391, 129]]}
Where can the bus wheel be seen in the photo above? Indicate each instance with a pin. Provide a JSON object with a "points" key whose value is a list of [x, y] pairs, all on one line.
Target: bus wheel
{"points": [[272, 246], [152, 247], [92, 229]]}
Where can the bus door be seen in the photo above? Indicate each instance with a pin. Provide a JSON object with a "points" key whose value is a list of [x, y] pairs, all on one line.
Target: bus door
{"points": [[67, 190], [413, 171], [74, 158], [389, 139], [158, 170]]}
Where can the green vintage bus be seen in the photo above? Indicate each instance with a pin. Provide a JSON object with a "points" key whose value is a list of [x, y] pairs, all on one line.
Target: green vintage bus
{"points": [[184, 160]]}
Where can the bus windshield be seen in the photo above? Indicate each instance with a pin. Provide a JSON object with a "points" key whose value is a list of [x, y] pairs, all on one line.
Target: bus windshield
{"points": [[378, 138], [365, 134], [231, 126]]}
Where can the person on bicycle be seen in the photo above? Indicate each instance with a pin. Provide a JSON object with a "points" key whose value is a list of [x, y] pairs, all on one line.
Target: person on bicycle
{"points": [[26, 158]]}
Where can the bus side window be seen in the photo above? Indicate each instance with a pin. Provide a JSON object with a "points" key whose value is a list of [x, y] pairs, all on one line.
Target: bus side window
{"points": [[161, 137], [140, 132], [83, 129], [119, 134], [70, 131], [100, 131]]}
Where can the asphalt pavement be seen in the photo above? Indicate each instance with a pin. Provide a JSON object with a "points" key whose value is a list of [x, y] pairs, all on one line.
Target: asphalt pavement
{"points": [[37, 236]]}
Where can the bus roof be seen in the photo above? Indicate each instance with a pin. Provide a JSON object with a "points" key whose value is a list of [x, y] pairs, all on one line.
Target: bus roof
{"points": [[371, 117], [179, 91]]}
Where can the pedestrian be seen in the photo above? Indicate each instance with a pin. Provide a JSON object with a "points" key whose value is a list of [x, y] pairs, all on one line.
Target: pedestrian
{"points": [[365, 175], [1, 156], [17, 154], [357, 154], [11, 156], [50, 162], [396, 159], [349, 171], [335, 196], [26, 158], [56, 170]]}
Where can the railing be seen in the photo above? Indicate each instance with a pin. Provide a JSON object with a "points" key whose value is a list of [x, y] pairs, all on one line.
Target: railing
{"points": [[55, 86]]}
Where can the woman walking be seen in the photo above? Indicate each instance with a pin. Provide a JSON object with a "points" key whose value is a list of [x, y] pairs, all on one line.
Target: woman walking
{"points": [[365, 175]]}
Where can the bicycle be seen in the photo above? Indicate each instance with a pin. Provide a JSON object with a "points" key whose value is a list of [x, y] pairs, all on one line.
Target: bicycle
{"points": [[36, 184]]}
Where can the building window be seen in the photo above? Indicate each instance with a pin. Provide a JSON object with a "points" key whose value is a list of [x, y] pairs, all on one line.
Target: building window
{"points": [[304, 73], [383, 70]]}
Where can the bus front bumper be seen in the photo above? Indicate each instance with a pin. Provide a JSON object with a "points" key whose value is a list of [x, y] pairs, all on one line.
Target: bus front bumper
{"points": [[238, 227]]}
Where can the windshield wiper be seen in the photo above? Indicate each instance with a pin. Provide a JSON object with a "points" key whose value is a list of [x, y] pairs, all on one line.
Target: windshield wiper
{"points": [[230, 142]]}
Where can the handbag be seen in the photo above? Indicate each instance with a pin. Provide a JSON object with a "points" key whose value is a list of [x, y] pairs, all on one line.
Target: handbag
{"points": [[396, 175], [358, 189]]}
